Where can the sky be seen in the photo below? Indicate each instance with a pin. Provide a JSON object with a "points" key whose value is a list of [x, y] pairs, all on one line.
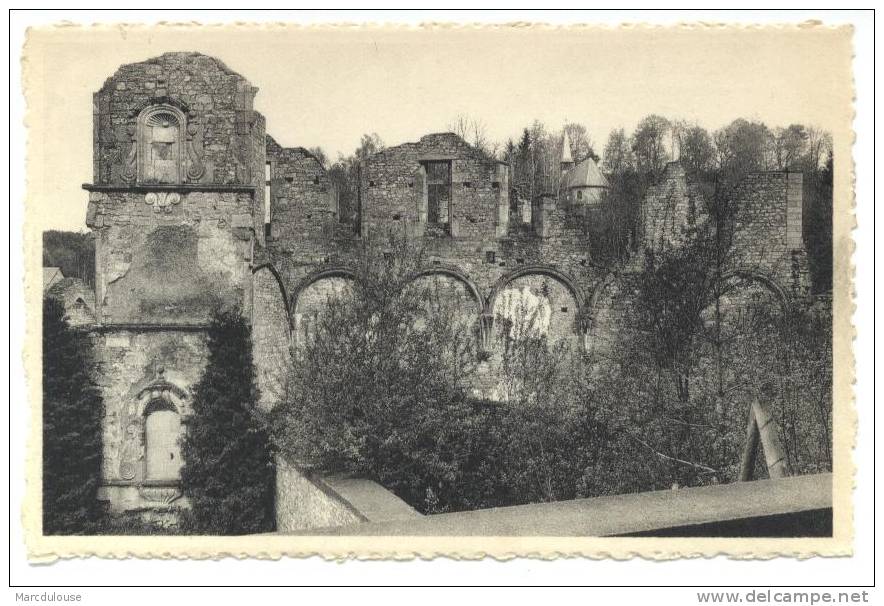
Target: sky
{"points": [[327, 86]]}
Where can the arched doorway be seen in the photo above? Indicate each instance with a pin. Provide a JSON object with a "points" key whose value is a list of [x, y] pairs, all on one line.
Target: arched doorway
{"points": [[162, 450]]}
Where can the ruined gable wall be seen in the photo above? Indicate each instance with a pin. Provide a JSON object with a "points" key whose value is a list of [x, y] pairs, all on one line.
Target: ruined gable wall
{"points": [[302, 205], [171, 245], [393, 189], [216, 102], [766, 236]]}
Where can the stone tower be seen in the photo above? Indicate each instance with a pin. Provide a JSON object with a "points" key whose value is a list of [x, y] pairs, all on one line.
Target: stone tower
{"points": [[177, 208]]}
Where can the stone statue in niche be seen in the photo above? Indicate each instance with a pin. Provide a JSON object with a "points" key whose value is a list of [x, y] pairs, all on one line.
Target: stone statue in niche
{"points": [[130, 164], [196, 167], [160, 135], [111, 156], [240, 148], [130, 452]]}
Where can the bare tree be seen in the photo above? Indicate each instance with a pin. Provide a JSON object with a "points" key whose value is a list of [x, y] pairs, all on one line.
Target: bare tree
{"points": [[320, 155], [649, 144], [744, 147], [818, 148], [697, 149], [581, 143], [789, 145], [618, 154], [475, 132]]}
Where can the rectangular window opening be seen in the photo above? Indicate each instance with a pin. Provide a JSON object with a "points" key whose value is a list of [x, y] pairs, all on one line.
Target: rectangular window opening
{"points": [[490, 256], [438, 192], [267, 190]]}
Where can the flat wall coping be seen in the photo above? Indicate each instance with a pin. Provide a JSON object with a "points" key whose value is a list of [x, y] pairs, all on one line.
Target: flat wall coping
{"points": [[370, 499], [618, 515]]}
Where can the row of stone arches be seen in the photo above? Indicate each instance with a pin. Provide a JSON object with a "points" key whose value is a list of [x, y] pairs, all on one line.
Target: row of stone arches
{"points": [[562, 300], [564, 310]]}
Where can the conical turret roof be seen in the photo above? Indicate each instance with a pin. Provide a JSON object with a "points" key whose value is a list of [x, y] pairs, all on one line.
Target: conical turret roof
{"points": [[585, 174]]}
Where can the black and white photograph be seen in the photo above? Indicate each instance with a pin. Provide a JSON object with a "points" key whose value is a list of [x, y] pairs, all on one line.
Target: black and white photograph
{"points": [[439, 290]]}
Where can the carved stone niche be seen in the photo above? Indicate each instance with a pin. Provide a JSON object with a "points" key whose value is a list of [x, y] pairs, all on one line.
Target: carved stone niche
{"points": [[165, 147], [160, 145]]}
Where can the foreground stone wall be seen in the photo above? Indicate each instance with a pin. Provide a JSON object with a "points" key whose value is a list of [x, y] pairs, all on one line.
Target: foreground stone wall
{"points": [[303, 503], [309, 500]]}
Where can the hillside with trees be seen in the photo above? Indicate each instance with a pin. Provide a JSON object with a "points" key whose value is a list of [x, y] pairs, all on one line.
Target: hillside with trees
{"points": [[72, 252]]}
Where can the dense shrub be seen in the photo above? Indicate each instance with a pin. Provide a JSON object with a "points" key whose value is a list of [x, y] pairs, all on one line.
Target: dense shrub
{"points": [[228, 473], [381, 389], [72, 415]]}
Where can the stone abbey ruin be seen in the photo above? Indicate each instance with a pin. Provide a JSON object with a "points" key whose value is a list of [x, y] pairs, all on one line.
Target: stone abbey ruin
{"points": [[194, 205]]}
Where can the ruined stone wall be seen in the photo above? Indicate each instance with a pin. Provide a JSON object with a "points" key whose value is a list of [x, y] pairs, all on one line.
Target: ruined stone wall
{"points": [[271, 336], [394, 190], [179, 158], [170, 265], [78, 300], [313, 300], [302, 204], [672, 209], [481, 258], [216, 104], [768, 236]]}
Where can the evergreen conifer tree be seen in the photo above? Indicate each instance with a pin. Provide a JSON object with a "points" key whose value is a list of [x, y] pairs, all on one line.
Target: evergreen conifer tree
{"points": [[72, 416], [228, 472]]}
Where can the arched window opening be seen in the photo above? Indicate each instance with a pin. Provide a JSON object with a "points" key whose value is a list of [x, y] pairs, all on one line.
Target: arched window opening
{"points": [[160, 145], [162, 431]]}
